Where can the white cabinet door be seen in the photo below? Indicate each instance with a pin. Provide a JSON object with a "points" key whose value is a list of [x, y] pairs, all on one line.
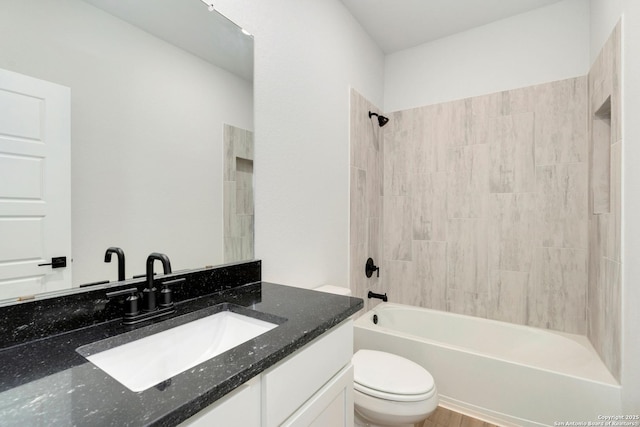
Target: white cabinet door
{"points": [[35, 185], [288, 385], [332, 406], [240, 408]]}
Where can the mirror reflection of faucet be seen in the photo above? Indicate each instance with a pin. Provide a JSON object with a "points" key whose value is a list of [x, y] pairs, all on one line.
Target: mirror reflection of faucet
{"points": [[120, 253]]}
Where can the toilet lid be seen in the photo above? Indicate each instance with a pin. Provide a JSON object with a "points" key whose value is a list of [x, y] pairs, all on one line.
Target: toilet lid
{"points": [[390, 374]]}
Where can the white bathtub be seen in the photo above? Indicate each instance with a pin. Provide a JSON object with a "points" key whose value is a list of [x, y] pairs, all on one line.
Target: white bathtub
{"points": [[503, 373]]}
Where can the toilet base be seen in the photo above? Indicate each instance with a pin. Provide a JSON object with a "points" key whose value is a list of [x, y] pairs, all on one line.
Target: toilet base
{"points": [[358, 421], [374, 412]]}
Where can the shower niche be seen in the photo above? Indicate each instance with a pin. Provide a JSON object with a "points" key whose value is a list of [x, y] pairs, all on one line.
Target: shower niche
{"points": [[601, 158]]}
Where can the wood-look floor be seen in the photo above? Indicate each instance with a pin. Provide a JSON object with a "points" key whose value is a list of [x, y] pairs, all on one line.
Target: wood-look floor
{"points": [[442, 417]]}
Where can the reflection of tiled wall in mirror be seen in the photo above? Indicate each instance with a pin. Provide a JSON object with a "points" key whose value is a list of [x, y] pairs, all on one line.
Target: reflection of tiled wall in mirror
{"points": [[238, 194]]}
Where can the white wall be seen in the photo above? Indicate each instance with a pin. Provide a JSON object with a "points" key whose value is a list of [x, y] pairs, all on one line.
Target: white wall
{"points": [[146, 133], [308, 54], [540, 46], [631, 207], [604, 14]]}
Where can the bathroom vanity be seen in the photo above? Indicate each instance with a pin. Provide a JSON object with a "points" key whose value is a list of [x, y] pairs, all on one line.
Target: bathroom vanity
{"points": [[313, 386], [298, 373]]}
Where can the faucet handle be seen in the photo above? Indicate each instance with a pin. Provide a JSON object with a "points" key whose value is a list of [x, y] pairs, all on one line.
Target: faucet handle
{"points": [[131, 307], [166, 294]]}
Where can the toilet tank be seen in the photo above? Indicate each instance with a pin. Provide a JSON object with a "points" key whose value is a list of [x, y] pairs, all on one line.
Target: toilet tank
{"points": [[339, 290]]}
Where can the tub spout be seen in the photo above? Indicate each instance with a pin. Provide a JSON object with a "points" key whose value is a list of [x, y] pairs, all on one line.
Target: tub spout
{"points": [[383, 297]]}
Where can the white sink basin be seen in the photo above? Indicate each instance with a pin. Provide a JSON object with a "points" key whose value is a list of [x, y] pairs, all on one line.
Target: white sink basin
{"points": [[148, 361]]}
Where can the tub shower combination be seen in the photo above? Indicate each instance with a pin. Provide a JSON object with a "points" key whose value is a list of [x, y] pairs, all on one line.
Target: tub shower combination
{"points": [[508, 374]]}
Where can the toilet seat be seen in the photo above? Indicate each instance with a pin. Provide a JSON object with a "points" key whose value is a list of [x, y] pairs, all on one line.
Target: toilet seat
{"points": [[393, 397], [391, 377]]}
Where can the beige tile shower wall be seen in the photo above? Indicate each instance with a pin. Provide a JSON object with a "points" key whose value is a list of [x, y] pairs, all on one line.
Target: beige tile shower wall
{"points": [[365, 221], [485, 206], [238, 194], [604, 286]]}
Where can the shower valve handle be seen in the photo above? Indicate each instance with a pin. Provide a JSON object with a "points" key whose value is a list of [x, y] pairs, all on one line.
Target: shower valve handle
{"points": [[370, 267]]}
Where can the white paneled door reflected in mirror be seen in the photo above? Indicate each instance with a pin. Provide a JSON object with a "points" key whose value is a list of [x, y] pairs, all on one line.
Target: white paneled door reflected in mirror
{"points": [[150, 86]]}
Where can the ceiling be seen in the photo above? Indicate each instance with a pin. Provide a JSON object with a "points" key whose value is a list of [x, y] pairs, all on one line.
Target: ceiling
{"points": [[189, 26], [400, 24], [393, 24]]}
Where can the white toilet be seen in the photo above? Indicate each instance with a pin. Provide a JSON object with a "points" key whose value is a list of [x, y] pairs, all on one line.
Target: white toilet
{"points": [[389, 390]]}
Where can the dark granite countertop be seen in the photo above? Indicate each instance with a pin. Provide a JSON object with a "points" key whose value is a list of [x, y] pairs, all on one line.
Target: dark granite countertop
{"points": [[45, 381]]}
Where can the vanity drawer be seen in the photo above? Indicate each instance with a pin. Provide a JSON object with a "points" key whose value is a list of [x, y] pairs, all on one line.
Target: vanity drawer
{"points": [[240, 408]]}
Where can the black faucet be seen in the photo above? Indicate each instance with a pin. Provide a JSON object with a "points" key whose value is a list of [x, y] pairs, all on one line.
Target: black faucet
{"points": [[149, 293], [151, 307], [120, 253]]}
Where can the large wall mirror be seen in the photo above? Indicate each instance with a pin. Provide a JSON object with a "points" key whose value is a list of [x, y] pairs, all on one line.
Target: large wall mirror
{"points": [[158, 89]]}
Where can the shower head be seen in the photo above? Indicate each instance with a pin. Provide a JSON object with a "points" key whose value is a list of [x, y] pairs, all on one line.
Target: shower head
{"points": [[382, 120]]}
